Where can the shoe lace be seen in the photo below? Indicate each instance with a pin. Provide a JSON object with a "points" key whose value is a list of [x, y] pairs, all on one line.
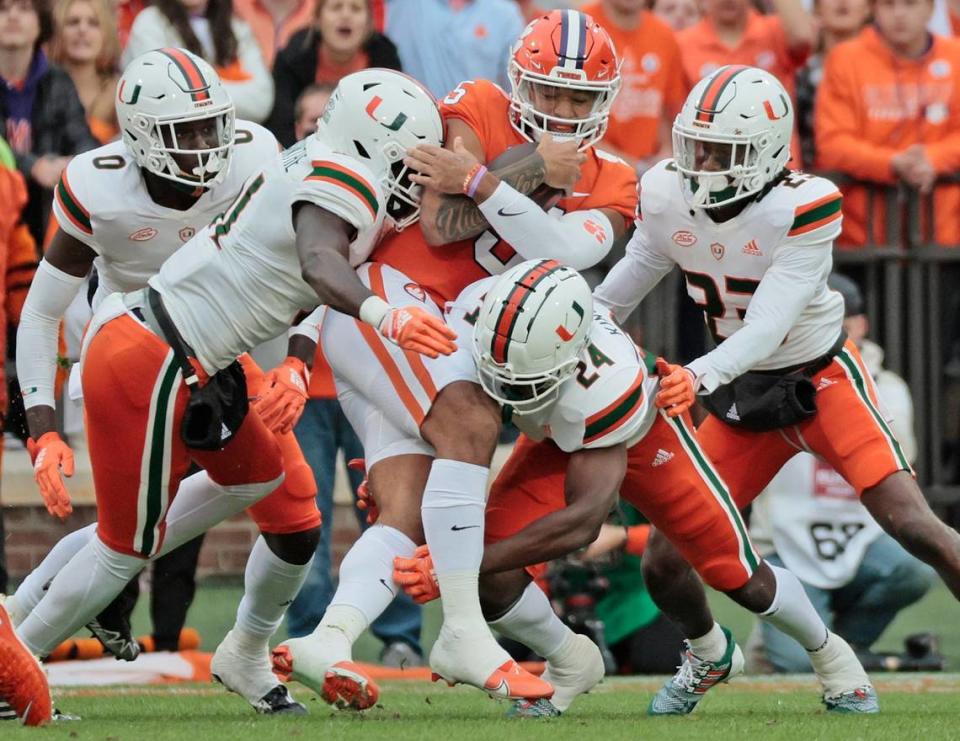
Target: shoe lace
{"points": [[691, 673]]}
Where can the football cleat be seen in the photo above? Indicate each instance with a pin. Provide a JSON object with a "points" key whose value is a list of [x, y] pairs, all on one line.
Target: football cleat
{"points": [[846, 686], [695, 676], [313, 662], [23, 683], [576, 672], [251, 678], [118, 640], [533, 709]]}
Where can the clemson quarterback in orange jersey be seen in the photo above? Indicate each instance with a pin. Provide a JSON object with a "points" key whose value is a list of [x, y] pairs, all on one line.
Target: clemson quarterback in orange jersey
{"points": [[428, 430]]}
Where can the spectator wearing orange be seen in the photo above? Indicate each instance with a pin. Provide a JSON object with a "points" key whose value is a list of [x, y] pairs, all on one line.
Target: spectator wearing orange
{"points": [[678, 14], [341, 40], [273, 22], [732, 32], [209, 29], [41, 116], [888, 111], [838, 21], [85, 44], [653, 84], [126, 11]]}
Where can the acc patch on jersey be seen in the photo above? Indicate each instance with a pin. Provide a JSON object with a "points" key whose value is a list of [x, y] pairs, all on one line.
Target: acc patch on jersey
{"points": [[142, 235]]}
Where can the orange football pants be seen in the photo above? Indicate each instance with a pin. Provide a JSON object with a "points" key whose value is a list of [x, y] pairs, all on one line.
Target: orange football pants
{"points": [[134, 404], [668, 479], [849, 432]]}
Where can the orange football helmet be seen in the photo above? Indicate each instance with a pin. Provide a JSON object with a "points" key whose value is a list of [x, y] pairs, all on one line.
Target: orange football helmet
{"points": [[565, 49]]}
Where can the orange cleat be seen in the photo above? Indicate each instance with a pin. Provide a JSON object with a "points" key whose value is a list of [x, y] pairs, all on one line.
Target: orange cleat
{"points": [[510, 681], [348, 687], [23, 683]]}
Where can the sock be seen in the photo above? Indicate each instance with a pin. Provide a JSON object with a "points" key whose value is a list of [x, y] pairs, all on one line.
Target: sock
{"points": [[366, 573], [31, 589], [270, 584], [792, 612], [200, 504], [84, 586], [453, 517], [710, 646], [532, 621]]}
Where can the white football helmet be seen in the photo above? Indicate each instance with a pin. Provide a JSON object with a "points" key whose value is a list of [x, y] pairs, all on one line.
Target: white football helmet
{"points": [[748, 110], [563, 49], [376, 115], [162, 89], [532, 326]]}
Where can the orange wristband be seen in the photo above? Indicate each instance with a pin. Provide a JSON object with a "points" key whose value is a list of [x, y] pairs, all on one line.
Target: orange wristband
{"points": [[637, 537]]}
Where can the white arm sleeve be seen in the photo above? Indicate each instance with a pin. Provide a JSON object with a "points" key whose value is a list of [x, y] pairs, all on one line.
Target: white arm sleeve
{"points": [[785, 290], [579, 239], [633, 277], [50, 294]]}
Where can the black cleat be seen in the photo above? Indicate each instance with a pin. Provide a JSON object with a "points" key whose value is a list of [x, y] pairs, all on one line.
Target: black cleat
{"points": [[278, 701]]}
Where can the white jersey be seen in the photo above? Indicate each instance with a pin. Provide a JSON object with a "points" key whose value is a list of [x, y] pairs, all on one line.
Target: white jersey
{"points": [[811, 517], [761, 277], [238, 283], [102, 200], [608, 401]]}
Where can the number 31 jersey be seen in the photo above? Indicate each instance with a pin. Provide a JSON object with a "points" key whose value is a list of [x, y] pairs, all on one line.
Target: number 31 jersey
{"points": [[239, 282], [102, 201], [723, 263]]}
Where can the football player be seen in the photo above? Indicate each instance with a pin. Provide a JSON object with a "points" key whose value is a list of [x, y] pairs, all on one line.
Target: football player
{"points": [[124, 208], [583, 395], [754, 241], [428, 431], [157, 360]]}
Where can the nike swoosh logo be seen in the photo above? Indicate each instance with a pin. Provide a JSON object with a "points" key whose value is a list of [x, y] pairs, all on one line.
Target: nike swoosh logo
{"points": [[501, 212], [457, 528], [578, 195], [387, 586]]}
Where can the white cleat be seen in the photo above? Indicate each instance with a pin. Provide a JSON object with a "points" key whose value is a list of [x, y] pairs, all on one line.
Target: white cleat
{"points": [[846, 686], [578, 671], [322, 662], [475, 658], [251, 677]]}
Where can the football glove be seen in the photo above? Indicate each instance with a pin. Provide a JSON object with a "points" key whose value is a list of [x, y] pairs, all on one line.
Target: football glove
{"points": [[416, 575], [414, 329], [283, 394], [51, 456], [365, 500], [677, 388]]}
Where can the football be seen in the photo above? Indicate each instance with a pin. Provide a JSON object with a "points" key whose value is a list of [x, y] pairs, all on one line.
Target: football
{"points": [[544, 195]]}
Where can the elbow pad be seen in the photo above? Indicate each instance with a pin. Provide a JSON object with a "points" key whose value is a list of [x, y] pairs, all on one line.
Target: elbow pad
{"points": [[579, 239], [50, 294]]}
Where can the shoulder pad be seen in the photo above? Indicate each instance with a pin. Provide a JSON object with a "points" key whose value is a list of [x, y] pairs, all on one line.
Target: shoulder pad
{"points": [[659, 186], [808, 207]]}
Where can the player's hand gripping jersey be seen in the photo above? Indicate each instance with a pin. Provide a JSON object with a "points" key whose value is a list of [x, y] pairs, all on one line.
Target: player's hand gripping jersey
{"points": [[764, 270], [608, 401], [102, 201], [445, 270], [238, 283]]}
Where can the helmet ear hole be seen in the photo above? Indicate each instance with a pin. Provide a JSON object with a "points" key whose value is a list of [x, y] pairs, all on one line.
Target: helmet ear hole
{"points": [[361, 150]]}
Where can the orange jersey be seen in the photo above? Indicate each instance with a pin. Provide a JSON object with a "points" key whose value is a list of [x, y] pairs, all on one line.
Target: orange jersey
{"points": [[445, 270], [871, 105], [653, 82], [763, 44]]}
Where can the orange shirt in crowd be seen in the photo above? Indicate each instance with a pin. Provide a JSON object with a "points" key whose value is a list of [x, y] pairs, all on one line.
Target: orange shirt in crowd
{"points": [[763, 44], [653, 83], [270, 37], [127, 10], [330, 72], [871, 105]]}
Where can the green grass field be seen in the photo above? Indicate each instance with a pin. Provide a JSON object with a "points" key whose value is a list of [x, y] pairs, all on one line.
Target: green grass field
{"points": [[912, 707]]}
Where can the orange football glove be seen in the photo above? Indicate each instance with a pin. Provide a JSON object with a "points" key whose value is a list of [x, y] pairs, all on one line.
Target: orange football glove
{"points": [[51, 455], [283, 395], [412, 328], [365, 500], [416, 576], [677, 392]]}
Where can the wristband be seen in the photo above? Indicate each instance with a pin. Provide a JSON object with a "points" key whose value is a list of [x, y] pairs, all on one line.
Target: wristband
{"points": [[637, 537], [373, 310], [473, 179]]}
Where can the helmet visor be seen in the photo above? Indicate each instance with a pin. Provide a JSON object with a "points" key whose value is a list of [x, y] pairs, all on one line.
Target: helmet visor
{"points": [[196, 149], [719, 169]]}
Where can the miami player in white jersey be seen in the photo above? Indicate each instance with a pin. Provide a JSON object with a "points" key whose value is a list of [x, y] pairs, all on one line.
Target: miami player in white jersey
{"points": [[584, 396], [287, 243], [123, 209], [754, 242]]}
